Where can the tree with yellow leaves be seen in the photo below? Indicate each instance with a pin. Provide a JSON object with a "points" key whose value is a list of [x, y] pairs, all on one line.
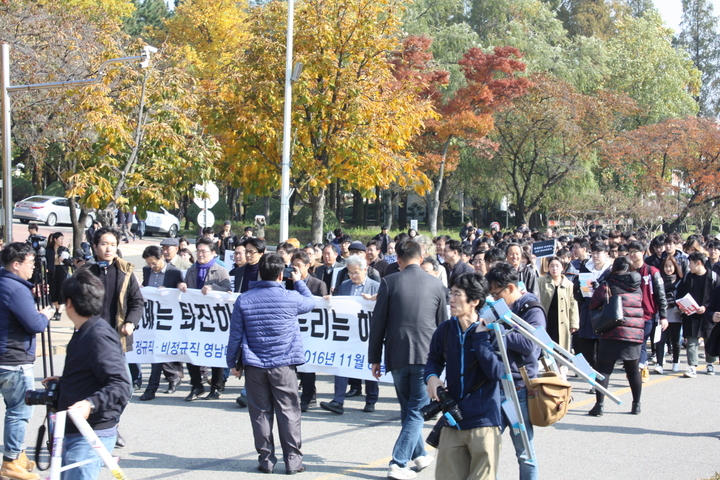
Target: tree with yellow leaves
{"points": [[351, 120]]}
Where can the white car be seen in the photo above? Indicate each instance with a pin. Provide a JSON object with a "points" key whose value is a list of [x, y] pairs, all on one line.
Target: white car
{"points": [[164, 223], [47, 210]]}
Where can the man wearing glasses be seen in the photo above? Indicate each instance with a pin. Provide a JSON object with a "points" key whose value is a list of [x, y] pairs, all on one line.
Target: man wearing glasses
{"points": [[205, 275], [503, 283], [254, 250]]}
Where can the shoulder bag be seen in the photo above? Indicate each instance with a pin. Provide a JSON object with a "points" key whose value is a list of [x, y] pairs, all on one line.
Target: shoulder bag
{"points": [[611, 314]]}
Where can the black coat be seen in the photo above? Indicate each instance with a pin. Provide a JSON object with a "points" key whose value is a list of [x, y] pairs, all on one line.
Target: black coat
{"points": [[172, 276]]}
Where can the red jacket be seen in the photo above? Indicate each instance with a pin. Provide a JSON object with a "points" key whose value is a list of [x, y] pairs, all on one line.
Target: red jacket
{"points": [[653, 292]]}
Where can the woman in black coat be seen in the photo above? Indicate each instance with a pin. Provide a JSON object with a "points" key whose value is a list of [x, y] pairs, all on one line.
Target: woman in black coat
{"points": [[622, 342]]}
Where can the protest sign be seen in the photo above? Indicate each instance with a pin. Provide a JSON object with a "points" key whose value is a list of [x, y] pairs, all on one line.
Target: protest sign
{"points": [[194, 328], [543, 249]]}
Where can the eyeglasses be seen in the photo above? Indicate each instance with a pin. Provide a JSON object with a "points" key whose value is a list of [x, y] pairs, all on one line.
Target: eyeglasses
{"points": [[457, 294], [496, 295], [251, 252], [203, 252]]}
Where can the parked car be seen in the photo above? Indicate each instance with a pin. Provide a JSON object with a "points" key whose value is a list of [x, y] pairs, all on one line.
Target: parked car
{"points": [[47, 210], [164, 223]]}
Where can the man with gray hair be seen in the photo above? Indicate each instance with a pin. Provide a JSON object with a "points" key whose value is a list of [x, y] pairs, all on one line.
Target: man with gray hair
{"points": [[358, 284]]}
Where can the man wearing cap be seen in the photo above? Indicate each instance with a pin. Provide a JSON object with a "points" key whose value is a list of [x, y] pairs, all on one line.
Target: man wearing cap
{"points": [[384, 239], [355, 248], [170, 247], [226, 240]]}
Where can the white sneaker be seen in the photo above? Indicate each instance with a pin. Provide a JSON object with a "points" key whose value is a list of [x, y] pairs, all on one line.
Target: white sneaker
{"points": [[400, 473], [658, 369], [676, 367], [423, 462], [690, 373], [710, 369]]}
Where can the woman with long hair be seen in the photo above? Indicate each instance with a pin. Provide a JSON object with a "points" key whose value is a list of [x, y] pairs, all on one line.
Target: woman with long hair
{"points": [[622, 342], [58, 265], [556, 296], [672, 275]]}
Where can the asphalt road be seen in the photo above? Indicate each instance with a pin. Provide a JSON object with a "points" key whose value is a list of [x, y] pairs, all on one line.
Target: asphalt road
{"points": [[675, 438]]}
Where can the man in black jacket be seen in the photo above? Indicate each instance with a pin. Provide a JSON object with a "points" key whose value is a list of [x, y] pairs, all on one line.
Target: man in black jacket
{"points": [[95, 380], [160, 274]]}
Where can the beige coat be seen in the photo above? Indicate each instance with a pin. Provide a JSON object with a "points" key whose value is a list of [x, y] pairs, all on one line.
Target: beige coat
{"points": [[568, 316]]}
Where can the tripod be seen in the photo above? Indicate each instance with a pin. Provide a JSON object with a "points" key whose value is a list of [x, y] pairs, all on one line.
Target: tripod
{"points": [[90, 436], [496, 313]]}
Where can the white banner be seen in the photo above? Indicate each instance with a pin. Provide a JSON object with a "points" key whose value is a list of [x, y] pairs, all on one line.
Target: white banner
{"points": [[193, 328]]}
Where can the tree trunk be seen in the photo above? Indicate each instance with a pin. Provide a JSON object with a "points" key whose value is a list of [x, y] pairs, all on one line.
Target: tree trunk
{"points": [[291, 211], [78, 224], [358, 208], [317, 203], [339, 203], [388, 210], [402, 209], [433, 220], [379, 196], [443, 201]]}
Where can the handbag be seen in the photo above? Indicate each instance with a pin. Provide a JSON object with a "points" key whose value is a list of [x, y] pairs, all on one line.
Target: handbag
{"points": [[611, 314]]}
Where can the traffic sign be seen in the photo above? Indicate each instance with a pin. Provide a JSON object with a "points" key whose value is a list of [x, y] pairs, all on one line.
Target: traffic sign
{"points": [[213, 195], [206, 218]]}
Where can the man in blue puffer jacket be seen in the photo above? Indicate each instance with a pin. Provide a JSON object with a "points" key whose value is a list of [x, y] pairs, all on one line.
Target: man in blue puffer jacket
{"points": [[19, 323], [265, 341]]}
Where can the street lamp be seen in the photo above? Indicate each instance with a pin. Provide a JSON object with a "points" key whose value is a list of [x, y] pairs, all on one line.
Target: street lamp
{"points": [[7, 89]]}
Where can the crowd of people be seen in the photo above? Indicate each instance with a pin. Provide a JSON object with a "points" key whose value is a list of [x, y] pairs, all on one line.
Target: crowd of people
{"points": [[668, 286]]}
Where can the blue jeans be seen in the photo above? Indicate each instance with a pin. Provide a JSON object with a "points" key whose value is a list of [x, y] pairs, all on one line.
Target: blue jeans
{"points": [[13, 385], [528, 469], [646, 334], [412, 395], [77, 449]]}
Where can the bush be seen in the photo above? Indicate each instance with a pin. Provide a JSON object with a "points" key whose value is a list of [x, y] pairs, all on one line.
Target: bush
{"points": [[55, 189], [258, 208], [21, 189]]}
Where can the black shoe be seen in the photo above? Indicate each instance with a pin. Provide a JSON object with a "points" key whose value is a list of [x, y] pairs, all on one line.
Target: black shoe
{"points": [[148, 395], [120, 441], [172, 386], [635, 408], [264, 470], [353, 392], [194, 394], [333, 406], [241, 401], [137, 385], [293, 472], [213, 395], [369, 407], [597, 410]]}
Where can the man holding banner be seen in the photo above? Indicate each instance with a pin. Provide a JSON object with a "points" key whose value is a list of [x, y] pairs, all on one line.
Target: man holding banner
{"points": [[265, 341]]}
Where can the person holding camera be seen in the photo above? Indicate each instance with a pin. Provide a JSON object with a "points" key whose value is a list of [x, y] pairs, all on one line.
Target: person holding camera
{"points": [[462, 348], [265, 342], [94, 379], [19, 323]]}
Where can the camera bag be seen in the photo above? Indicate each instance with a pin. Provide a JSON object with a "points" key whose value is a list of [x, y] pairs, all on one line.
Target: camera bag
{"points": [[548, 397]]}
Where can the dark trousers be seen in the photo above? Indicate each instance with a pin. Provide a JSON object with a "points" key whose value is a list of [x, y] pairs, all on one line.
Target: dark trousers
{"points": [[670, 337], [646, 335], [173, 372], [372, 390], [588, 347], [135, 374], [307, 383], [273, 393], [606, 365], [217, 380]]}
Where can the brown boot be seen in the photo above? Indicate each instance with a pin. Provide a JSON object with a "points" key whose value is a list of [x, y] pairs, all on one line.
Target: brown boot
{"points": [[24, 460], [16, 471]]}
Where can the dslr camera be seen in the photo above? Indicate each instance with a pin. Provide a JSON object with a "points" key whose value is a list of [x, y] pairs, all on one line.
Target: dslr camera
{"points": [[49, 396], [451, 415]]}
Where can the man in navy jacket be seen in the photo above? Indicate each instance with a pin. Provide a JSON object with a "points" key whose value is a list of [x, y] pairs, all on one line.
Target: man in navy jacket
{"points": [[265, 341], [19, 323]]}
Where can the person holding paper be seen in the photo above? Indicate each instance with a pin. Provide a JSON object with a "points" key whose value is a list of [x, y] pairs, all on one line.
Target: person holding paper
{"points": [[672, 275], [699, 283], [592, 270]]}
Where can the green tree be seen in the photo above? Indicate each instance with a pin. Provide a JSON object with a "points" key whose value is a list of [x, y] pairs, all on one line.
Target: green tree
{"points": [[700, 38], [644, 65], [148, 14]]}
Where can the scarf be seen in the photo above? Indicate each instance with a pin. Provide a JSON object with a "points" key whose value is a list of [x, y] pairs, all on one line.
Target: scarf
{"points": [[202, 271]]}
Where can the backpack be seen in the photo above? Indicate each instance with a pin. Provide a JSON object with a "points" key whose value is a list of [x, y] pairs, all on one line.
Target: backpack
{"points": [[548, 397]]}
